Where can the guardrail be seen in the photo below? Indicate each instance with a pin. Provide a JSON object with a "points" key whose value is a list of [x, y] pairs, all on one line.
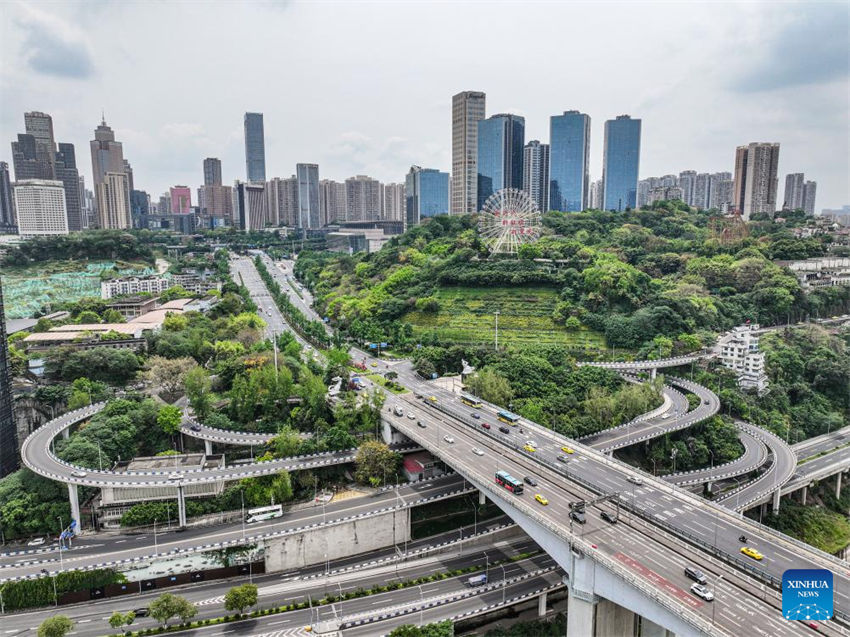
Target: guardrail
{"points": [[682, 478]]}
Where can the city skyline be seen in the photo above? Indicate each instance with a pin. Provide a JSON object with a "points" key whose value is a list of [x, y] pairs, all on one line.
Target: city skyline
{"points": [[345, 138]]}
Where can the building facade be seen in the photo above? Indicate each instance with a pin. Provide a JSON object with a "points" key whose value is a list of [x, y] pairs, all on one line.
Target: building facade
{"points": [[394, 205], [569, 176], [309, 211], [332, 201], [687, 180], [255, 148], [595, 195], [249, 205], [720, 192], [212, 171], [468, 108], [810, 189], [756, 182], [793, 191], [663, 193], [40, 205], [621, 163], [111, 183], [9, 457], [740, 353], [181, 200], [426, 194], [7, 206], [501, 139], [535, 173], [362, 198], [282, 201]]}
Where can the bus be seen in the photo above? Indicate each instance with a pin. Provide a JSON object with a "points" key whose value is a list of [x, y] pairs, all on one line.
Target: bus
{"points": [[508, 417], [472, 401], [505, 479], [264, 513]]}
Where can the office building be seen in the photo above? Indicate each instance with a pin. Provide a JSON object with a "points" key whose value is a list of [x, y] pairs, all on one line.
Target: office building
{"points": [[720, 193], [111, 182], [249, 206], [282, 201], [9, 458], [687, 181], [754, 190], [128, 170], [140, 203], [468, 109], [309, 212], [501, 139], [34, 154], [810, 189], [40, 206], [426, 193], [255, 148], [621, 162], [181, 200], [569, 177], [332, 201], [595, 195], [535, 173], [394, 206], [88, 213], [7, 207], [793, 191], [212, 171], [66, 172], [362, 198]]}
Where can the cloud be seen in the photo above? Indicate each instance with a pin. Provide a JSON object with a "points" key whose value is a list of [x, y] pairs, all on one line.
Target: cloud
{"points": [[809, 48], [52, 46]]}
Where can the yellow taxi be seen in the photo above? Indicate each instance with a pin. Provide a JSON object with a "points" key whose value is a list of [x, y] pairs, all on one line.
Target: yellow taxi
{"points": [[751, 552], [433, 399], [541, 499], [529, 448], [567, 450]]}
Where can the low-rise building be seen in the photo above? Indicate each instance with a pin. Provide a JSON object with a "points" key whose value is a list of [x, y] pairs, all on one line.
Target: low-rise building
{"points": [[421, 466], [132, 306], [739, 351], [821, 272]]}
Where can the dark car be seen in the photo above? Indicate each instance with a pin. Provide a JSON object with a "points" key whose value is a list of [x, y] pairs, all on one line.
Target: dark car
{"points": [[562, 458], [475, 415], [421, 424], [530, 481], [578, 516], [504, 430], [485, 425], [195, 427], [695, 574], [609, 517], [141, 612]]}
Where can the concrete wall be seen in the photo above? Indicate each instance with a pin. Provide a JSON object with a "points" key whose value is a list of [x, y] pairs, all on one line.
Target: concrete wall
{"points": [[317, 544]]}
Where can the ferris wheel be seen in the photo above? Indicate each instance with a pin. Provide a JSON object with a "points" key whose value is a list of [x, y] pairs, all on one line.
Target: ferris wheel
{"points": [[509, 219]]}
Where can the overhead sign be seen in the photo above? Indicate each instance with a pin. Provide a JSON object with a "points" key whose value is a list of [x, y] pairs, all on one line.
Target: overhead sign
{"points": [[807, 594]]}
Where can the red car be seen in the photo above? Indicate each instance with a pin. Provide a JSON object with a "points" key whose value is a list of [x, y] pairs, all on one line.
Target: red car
{"points": [[485, 425]]}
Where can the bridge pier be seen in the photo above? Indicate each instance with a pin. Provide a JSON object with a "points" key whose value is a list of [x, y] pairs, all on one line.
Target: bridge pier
{"points": [[74, 500], [541, 605], [482, 499], [581, 603], [804, 492], [208, 447], [66, 433], [653, 373], [181, 507], [612, 620], [651, 629], [838, 485], [776, 495]]}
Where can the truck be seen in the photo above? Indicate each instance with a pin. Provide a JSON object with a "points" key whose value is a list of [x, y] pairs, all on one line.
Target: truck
{"points": [[477, 580]]}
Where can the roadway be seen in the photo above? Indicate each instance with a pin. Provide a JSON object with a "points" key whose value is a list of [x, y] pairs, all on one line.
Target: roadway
{"points": [[822, 444]]}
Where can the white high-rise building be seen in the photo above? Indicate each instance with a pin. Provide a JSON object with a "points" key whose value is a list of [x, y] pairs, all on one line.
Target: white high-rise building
{"points": [[535, 173], [363, 198], [40, 206], [332, 201], [282, 201], [393, 203], [468, 108], [594, 199], [720, 192], [755, 179], [810, 189], [687, 180]]}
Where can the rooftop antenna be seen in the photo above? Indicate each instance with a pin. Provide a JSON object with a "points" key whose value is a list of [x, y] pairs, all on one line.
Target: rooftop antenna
{"points": [[102, 117]]}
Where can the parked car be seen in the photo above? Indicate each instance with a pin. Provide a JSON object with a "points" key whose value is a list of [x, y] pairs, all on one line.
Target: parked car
{"points": [[141, 612]]}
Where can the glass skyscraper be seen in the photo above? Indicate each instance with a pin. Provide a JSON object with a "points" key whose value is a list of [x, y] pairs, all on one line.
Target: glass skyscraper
{"points": [[426, 194], [309, 211], [569, 150], [621, 162], [255, 147], [501, 139]]}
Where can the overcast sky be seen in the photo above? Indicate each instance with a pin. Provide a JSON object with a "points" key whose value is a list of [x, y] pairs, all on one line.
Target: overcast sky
{"points": [[365, 88]]}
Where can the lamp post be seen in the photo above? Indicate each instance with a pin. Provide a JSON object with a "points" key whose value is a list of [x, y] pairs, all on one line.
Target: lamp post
{"points": [[61, 539], [421, 602], [155, 546], [504, 583], [242, 499]]}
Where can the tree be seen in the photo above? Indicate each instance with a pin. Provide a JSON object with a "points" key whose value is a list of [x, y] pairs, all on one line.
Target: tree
{"points": [[197, 384], [287, 442], [241, 597], [169, 419], [56, 626], [175, 292], [375, 461], [169, 375], [167, 606], [114, 366], [118, 619], [87, 318], [491, 386]]}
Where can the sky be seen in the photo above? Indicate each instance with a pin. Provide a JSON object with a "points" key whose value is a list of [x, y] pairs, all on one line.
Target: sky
{"points": [[366, 87]]}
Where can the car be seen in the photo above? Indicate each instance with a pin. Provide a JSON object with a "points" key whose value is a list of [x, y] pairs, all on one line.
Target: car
{"points": [[504, 430], [477, 451], [449, 439], [751, 552], [567, 450], [79, 474], [578, 516], [433, 399], [474, 415], [701, 591], [530, 481], [485, 425], [175, 476], [417, 396], [410, 415], [609, 517], [36, 542], [421, 424], [541, 499], [635, 480], [531, 443], [665, 416], [529, 448], [195, 427], [562, 458], [374, 365], [695, 574], [141, 612]]}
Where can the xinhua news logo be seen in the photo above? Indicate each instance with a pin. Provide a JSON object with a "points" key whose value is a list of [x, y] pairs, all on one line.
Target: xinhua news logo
{"points": [[807, 594]]}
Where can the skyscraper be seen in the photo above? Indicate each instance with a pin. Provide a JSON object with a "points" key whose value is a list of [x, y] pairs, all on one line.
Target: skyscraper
{"points": [[332, 201], [40, 204], [810, 189], [687, 180], [569, 135], [501, 139], [468, 109], [111, 183], [282, 198], [720, 193], [793, 191], [362, 198], [66, 172], [40, 126], [426, 193], [702, 191], [249, 205], [9, 458], [535, 173], [7, 209], [309, 213], [212, 171], [621, 162], [595, 196], [394, 205], [181, 200], [755, 179], [255, 147]]}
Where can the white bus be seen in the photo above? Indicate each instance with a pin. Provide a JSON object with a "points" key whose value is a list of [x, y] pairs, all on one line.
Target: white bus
{"points": [[264, 513]]}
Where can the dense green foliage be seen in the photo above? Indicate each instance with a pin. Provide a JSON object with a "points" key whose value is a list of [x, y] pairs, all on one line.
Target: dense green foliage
{"points": [[822, 522], [81, 246], [56, 626], [32, 593], [537, 628], [32, 505], [166, 606], [439, 629], [241, 597], [114, 366]]}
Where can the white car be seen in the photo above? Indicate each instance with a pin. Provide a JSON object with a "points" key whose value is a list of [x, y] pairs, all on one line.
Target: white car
{"points": [[36, 542], [410, 415], [449, 439], [175, 476], [635, 480], [702, 591], [477, 451], [79, 474]]}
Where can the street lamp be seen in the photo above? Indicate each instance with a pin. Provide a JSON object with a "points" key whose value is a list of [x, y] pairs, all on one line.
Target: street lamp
{"points": [[155, 547], [61, 539], [421, 602], [242, 499], [504, 583]]}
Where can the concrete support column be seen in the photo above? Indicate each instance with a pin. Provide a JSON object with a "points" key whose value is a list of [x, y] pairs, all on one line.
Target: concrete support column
{"points": [[776, 496], [581, 604], [612, 620], [74, 499], [181, 507], [651, 629], [66, 433], [763, 509], [804, 494], [708, 487], [653, 373], [482, 499], [208, 447], [541, 605], [838, 485]]}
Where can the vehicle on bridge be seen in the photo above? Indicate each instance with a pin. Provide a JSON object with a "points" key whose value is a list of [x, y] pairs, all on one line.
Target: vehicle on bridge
{"points": [[472, 401], [505, 479], [508, 417], [264, 513], [751, 552], [477, 580], [541, 499]]}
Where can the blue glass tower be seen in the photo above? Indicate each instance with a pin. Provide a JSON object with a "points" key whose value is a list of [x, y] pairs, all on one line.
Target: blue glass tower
{"points": [[426, 194], [255, 147], [501, 139], [621, 163], [569, 179]]}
